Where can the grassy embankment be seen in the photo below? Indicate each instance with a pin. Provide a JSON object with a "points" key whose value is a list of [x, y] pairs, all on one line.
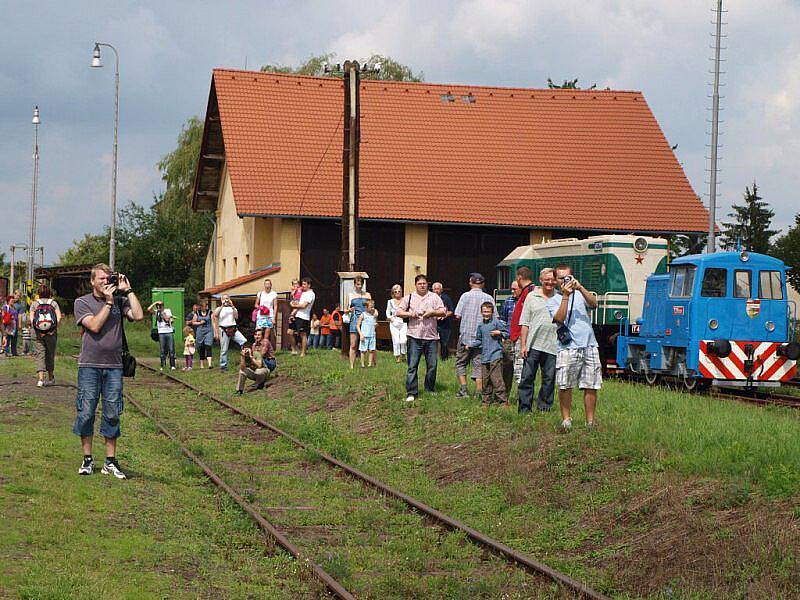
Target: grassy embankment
{"points": [[672, 495]]}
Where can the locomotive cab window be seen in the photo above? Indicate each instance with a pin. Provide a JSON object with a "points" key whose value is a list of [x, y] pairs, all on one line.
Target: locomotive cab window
{"points": [[715, 283], [682, 281], [769, 285], [504, 278], [742, 284]]}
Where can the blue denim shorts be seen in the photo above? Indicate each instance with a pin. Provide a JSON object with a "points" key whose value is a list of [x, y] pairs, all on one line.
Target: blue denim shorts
{"points": [[92, 384]]}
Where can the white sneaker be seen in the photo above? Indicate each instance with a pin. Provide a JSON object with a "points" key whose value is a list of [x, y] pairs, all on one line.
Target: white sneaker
{"points": [[410, 399], [172, 368], [40, 383], [566, 425], [112, 469], [86, 467]]}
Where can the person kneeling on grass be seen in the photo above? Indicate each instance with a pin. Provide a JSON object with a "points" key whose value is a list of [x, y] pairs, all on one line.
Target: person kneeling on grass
{"points": [[366, 332], [489, 338], [257, 362]]}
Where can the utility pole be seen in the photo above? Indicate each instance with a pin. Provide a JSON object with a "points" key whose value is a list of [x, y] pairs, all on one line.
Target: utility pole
{"points": [[712, 192], [351, 72], [352, 138]]}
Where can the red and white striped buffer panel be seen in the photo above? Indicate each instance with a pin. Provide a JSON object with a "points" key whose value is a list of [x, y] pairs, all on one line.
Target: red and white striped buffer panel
{"points": [[766, 365]]}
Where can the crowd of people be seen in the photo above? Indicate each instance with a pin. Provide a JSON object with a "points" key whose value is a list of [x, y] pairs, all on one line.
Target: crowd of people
{"points": [[544, 328]]}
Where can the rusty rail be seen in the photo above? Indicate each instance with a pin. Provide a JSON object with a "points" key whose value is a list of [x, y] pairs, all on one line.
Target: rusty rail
{"points": [[484, 540], [334, 586]]}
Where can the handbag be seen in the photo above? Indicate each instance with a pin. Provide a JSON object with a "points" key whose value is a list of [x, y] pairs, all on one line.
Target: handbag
{"points": [[128, 360], [563, 334], [408, 307]]}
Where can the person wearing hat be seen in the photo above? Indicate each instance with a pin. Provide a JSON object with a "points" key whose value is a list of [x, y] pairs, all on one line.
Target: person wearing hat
{"points": [[468, 311]]}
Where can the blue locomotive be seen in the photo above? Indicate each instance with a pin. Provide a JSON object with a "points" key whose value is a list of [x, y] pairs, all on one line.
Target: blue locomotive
{"points": [[721, 319]]}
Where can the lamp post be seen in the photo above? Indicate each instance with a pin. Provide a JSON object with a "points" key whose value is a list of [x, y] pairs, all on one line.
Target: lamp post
{"points": [[34, 194], [96, 64]]}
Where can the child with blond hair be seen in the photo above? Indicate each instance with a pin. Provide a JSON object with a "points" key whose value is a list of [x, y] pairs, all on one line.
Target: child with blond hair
{"points": [[365, 326], [188, 348]]}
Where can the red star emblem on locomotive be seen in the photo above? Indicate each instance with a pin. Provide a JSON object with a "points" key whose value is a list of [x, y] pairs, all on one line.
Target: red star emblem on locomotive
{"points": [[639, 259]]}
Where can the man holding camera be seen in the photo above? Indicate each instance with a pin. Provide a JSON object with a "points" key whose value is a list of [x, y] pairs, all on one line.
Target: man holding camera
{"points": [[225, 329], [257, 363], [578, 358], [99, 314]]}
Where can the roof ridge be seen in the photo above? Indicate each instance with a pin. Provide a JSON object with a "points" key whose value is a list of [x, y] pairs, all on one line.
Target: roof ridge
{"points": [[429, 84]]}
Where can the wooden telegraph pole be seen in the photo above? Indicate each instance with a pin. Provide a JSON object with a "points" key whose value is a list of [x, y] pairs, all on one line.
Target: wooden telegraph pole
{"points": [[352, 139]]}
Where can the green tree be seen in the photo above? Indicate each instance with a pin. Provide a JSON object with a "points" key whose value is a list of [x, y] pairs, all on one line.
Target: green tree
{"points": [[750, 226], [92, 249], [391, 70], [569, 84], [787, 248]]}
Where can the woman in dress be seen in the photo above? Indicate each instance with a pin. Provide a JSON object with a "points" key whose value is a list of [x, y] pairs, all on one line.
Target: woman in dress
{"points": [[204, 338], [397, 326], [356, 303]]}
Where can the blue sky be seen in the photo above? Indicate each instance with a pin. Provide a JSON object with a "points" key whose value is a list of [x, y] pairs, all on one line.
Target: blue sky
{"points": [[169, 48]]}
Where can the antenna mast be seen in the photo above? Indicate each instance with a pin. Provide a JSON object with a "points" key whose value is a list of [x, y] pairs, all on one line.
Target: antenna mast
{"points": [[712, 192]]}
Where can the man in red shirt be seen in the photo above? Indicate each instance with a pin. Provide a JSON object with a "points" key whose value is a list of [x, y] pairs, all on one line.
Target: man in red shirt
{"points": [[526, 286]]}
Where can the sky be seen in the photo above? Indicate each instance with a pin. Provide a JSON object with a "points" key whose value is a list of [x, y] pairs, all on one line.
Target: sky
{"points": [[168, 49]]}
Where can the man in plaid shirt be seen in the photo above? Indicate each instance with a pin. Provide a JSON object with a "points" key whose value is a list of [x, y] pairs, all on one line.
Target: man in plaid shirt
{"points": [[468, 310]]}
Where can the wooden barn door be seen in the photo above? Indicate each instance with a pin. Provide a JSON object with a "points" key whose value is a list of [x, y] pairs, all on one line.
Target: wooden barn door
{"points": [[455, 251]]}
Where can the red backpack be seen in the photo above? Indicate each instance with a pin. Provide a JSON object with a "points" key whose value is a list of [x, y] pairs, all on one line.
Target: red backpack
{"points": [[7, 318], [45, 319]]}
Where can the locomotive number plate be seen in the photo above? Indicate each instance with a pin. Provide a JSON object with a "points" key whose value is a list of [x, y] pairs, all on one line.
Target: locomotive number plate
{"points": [[677, 310]]}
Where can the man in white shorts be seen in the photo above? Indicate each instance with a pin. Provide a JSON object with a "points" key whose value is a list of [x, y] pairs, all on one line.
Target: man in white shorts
{"points": [[578, 359]]}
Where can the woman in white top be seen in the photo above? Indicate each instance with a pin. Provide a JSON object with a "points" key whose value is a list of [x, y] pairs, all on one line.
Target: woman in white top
{"points": [[397, 326], [266, 305], [166, 332]]}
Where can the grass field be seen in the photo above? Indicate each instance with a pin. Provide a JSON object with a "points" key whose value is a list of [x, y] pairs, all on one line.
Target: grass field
{"points": [[671, 496]]}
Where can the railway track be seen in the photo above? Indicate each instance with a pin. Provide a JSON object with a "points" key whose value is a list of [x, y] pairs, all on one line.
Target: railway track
{"points": [[277, 460], [761, 398]]}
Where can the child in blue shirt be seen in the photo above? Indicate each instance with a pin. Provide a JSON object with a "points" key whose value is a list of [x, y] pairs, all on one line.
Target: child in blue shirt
{"points": [[490, 335], [365, 326]]}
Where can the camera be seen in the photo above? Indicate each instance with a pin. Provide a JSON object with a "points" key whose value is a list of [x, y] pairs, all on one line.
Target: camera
{"points": [[567, 279], [113, 279]]}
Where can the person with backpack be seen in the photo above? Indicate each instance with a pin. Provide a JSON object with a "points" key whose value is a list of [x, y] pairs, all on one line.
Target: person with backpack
{"points": [[10, 321], [45, 315]]}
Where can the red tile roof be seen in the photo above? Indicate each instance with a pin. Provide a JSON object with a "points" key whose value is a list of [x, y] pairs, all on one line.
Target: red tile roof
{"points": [[232, 283], [576, 159]]}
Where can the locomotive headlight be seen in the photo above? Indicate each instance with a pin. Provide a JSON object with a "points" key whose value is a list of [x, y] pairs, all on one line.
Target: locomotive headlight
{"points": [[713, 324], [770, 326], [618, 314], [744, 256]]}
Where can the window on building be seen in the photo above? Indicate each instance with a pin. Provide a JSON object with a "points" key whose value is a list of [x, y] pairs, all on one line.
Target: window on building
{"points": [[246, 263], [224, 269], [769, 285], [715, 283], [235, 266], [742, 284], [682, 281]]}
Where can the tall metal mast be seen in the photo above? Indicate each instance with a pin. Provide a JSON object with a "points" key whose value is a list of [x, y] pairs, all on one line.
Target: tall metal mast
{"points": [[712, 191], [34, 195]]}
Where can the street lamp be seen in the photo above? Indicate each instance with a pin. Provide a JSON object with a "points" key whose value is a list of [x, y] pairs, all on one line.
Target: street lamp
{"points": [[32, 242], [112, 243]]}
